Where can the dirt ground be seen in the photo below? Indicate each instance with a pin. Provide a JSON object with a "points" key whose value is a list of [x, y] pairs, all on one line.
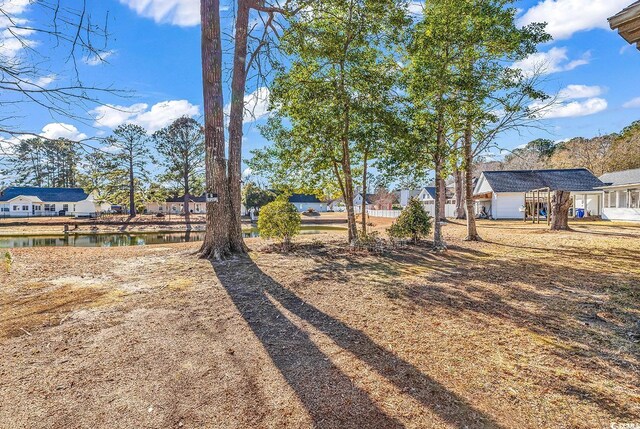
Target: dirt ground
{"points": [[529, 329]]}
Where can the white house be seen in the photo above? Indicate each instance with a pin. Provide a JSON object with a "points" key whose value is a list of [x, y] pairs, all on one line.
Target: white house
{"points": [[621, 195], [407, 194], [358, 200], [32, 201], [337, 205], [305, 202], [197, 204], [501, 194]]}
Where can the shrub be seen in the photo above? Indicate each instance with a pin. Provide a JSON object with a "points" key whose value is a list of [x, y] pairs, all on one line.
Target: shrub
{"points": [[8, 260], [414, 222], [279, 219]]}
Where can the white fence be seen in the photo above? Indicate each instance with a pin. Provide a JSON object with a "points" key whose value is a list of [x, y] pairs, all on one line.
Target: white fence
{"points": [[384, 213], [449, 210]]}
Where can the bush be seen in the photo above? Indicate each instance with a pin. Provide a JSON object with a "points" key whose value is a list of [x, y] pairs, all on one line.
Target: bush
{"points": [[279, 219], [414, 222]]}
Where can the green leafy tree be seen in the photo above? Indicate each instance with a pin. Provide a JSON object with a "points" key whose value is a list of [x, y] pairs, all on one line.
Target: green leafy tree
{"points": [[414, 222], [128, 167], [279, 219], [333, 98], [42, 162], [253, 196], [495, 97], [181, 149]]}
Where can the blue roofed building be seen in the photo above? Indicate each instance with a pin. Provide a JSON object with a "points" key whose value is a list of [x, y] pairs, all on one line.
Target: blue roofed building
{"points": [[36, 201], [501, 194]]}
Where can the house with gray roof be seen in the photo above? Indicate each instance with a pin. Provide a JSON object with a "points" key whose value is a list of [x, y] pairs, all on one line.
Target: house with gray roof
{"points": [[38, 201], [306, 202], [501, 194], [621, 198]]}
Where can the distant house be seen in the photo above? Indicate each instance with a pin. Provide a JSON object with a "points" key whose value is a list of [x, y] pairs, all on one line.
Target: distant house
{"points": [[154, 207], [621, 195], [337, 205], [358, 199], [197, 204], [35, 201], [407, 194], [502, 193], [304, 202]]}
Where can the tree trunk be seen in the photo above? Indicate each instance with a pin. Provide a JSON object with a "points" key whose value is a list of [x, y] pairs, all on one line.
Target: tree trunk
{"points": [[132, 189], [216, 241], [438, 242], [364, 195], [442, 195], [187, 213], [560, 204], [236, 114], [472, 230], [348, 194], [460, 213]]}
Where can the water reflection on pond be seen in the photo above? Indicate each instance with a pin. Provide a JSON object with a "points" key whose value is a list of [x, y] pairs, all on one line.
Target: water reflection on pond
{"points": [[127, 239]]}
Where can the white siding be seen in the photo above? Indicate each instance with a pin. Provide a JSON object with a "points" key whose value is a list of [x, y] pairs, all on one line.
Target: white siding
{"points": [[303, 207], [621, 214], [506, 205]]}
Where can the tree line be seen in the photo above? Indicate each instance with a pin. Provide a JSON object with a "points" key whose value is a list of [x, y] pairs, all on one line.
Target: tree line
{"points": [[365, 83], [600, 154], [119, 171]]}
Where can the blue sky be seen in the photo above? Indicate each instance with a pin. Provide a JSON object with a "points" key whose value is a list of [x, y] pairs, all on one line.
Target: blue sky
{"points": [[154, 51]]}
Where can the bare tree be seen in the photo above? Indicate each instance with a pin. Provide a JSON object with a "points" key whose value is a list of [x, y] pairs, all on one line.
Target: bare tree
{"points": [[28, 73]]}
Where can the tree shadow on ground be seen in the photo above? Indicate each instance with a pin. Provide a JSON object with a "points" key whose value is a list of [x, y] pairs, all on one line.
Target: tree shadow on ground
{"points": [[330, 396], [584, 311]]}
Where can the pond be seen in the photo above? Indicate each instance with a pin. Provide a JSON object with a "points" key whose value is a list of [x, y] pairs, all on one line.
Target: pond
{"points": [[128, 239]]}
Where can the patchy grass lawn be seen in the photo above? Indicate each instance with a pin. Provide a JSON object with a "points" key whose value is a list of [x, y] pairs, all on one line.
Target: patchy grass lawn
{"points": [[528, 329]]}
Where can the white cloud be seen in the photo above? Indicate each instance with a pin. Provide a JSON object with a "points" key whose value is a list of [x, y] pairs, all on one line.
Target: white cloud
{"points": [[98, 58], [573, 101], [185, 13], [58, 130], [111, 116], [573, 109], [256, 105], [634, 103], [165, 112], [158, 116], [566, 17], [12, 38], [574, 92], [553, 61]]}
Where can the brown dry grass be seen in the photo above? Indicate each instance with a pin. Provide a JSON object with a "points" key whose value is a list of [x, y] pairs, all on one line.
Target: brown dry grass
{"points": [[528, 329]]}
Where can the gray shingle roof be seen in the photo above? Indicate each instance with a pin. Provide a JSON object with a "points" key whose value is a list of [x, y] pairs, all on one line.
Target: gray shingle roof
{"points": [[66, 195], [303, 198], [626, 177], [180, 199], [573, 179]]}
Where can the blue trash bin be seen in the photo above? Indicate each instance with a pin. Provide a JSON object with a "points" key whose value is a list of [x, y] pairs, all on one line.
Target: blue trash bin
{"points": [[579, 213]]}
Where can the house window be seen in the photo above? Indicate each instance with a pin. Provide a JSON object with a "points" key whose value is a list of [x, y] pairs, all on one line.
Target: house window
{"points": [[622, 199], [37, 207], [49, 207], [634, 198], [607, 200], [4, 209], [15, 208], [25, 208], [65, 207]]}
